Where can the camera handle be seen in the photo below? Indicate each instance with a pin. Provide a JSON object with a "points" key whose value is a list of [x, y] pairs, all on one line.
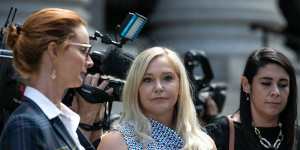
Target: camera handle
{"points": [[93, 94]]}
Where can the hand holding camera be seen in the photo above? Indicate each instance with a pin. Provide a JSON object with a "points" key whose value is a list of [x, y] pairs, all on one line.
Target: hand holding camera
{"points": [[208, 97], [91, 114]]}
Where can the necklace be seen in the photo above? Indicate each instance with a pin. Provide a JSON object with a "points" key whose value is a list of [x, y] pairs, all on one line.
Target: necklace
{"points": [[267, 144]]}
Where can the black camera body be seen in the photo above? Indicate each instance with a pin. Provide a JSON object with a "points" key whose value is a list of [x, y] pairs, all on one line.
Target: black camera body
{"points": [[117, 85], [95, 95], [112, 62], [201, 85], [217, 91], [113, 65], [11, 87]]}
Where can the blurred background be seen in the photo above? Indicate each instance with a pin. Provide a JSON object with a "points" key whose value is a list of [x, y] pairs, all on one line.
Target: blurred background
{"points": [[226, 30]]}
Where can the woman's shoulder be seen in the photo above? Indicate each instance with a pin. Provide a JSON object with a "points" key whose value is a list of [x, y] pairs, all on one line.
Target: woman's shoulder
{"points": [[219, 123], [122, 136], [218, 130], [112, 140], [25, 116], [126, 128]]}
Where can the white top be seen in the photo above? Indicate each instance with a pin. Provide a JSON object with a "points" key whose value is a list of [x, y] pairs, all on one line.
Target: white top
{"points": [[69, 118]]}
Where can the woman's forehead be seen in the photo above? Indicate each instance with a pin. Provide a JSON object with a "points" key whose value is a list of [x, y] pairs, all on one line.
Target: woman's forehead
{"points": [[272, 70]]}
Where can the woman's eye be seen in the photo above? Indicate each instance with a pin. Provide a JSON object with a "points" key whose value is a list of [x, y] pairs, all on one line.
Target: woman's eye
{"points": [[83, 50], [282, 85], [168, 78], [266, 83], [147, 80]]}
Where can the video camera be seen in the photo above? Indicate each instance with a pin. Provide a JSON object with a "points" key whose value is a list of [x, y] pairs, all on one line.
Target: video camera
{"points": [[114, 63], [202, 86]]}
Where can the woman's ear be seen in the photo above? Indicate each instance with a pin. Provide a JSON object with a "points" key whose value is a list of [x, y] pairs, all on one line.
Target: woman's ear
{"points": [[245, 84], [52, 50]]}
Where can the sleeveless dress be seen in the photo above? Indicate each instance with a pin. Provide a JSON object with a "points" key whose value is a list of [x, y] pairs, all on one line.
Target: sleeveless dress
{"points": [[164, 138]]}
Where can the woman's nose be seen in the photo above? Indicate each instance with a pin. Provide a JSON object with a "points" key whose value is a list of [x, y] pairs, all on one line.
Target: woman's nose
{"points": [[275, 91], [158, 87], [90, 62]]}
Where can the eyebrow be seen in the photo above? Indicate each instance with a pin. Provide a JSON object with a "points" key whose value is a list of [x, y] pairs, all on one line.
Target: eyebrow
{"points": [[269, 78], [150, 74]]}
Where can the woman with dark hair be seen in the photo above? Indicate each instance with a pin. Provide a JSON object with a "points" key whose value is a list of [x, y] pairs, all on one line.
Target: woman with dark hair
{"points": [[267, 115], [51, 53]]}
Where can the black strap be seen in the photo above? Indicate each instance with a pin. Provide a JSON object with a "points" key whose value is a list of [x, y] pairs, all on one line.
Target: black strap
{"points": [[94, 127], [93, 95], [84, 141], [96, 142]]}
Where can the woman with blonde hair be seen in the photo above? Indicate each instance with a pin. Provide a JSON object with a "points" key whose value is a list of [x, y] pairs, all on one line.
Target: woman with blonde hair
{"points": [[158, 111]]}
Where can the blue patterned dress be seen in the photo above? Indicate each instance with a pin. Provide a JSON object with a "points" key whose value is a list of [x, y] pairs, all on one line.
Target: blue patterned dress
{"points": [[164, 138]]}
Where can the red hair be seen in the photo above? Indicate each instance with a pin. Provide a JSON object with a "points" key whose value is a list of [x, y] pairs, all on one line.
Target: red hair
{"points": [[29, 41]]}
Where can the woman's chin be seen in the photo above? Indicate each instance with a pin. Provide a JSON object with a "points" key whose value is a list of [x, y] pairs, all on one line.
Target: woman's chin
{"points": [[79, 84], [76, 84]]}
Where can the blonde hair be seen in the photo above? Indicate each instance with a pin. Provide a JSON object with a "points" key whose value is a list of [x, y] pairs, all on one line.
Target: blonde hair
{"points": [[187, 124]]}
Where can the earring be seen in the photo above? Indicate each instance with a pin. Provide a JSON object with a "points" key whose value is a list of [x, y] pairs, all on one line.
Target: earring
{"points": [[247, 97], [53, 74]]}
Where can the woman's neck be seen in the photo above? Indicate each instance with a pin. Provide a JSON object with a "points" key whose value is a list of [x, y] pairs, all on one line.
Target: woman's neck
{"points": [[264, 121], [166, 119], [49, 88]]}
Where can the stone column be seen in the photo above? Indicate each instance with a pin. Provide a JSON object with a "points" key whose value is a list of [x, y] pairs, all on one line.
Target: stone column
{"points": [[221, 28]]}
